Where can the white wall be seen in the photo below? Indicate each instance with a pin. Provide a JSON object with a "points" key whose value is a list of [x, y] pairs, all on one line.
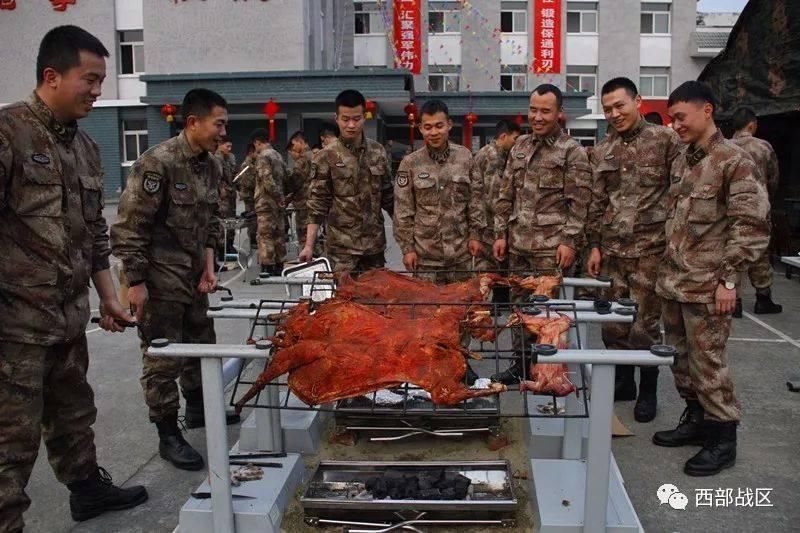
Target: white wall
{"points": [[655, 51], [582, 50], [444, 49], [130, 88], [369, 50], [514, 48], [128, 14]]}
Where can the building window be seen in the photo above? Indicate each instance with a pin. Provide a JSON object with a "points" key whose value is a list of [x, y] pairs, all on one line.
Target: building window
{"points": [[515, 21], [443, 83], [131, 52], [444, 21], [134, 139], [654, 85], [513, 81], [368, 19], [583, 136], [581, 21], [655, 19], [581, 82]]}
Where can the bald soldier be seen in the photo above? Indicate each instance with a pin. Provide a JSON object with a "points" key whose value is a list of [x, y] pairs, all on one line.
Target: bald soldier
{"points": [[350, 185], [54, 240], [438, 203], [760, 272], [540, 210], [716, 225]]}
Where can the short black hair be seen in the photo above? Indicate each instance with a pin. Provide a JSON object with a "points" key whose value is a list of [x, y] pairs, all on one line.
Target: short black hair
{"points": [[225, 139], [350, 98], [431, 107], [299, 134], [328, 128], [506, 126], [546, 88], [200, 103], [742, 117], [693, 91], [250, 148], [620, 83], [260, 135], [61, 47], [654, 117]]}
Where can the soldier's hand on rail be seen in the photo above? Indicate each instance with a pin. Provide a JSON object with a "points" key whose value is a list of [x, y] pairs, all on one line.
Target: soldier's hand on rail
{"points": [[113, 316], [137, 297], [565, 256], [475, 248], [410, 261], [594, 262], [499, 249]]}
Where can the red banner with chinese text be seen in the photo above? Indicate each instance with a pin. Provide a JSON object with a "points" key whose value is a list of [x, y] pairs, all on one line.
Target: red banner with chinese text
{"points": [[546, 37], [407, 31]]}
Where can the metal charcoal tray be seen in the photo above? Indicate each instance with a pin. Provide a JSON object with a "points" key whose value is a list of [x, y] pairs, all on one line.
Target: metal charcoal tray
{"points": [[330, 492]]}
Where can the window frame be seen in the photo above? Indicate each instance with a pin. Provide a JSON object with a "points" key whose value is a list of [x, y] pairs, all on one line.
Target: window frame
{"points": [[373, 16], [445, 13], [138, 70], [652, 78], [514, 12], [581, 13], [137, 134], [514, 76], [445, 76], [652, 15], [580, 77]]}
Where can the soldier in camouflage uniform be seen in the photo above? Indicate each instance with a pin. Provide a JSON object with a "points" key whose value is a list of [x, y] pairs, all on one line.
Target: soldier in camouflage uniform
{"points": [[716, 225], [438, 203], [269, 204], [760, 272], [625, 229], [246, 185], [227, 193], [350, 184], [299, 184], [166, 232], [54, 240], [541, 206]]}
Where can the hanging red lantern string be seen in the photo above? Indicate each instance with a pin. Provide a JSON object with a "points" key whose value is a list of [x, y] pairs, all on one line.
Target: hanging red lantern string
{"points": [[469, 121], [371, 107], [168, 112], [411, 114], [271, 109]]}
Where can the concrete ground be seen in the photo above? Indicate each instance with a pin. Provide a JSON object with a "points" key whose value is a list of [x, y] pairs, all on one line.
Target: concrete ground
{"points": [[764, 351]]}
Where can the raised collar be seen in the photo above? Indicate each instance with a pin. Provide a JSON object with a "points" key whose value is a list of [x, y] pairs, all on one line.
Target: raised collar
{"points": [[742, 133], [196, 161], [64, 132], [695, 155], [634, 132], [549, 139], [355, 147], [440, 156]]}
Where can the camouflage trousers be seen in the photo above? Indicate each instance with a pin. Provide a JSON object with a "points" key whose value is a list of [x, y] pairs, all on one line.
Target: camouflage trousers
{"points": [[583, 293], [271, 238], [701, 367], [633, 278], [760, 273], [301, 224], [344, 262], [252, 223], [520, 264], [44, 394], [177, 322], [441, 275]]}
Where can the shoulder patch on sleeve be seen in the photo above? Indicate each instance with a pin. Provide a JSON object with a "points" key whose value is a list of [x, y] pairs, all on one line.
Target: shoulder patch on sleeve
{"points": [[402, 178], [152, 182]]}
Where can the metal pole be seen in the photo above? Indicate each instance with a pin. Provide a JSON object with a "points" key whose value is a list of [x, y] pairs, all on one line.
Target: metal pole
{"points": [[277, 430], [217, 441], [230, 369], [572, 442], [598, 456]]}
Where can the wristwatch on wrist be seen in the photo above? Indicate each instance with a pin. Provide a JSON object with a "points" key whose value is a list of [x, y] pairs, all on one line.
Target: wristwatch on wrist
{"points": [[729, 285]]}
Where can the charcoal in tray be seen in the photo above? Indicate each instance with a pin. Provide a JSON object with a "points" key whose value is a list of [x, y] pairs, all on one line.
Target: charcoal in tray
{"points": [[378, 487], [429, 494], [428, 480], [461, 486]]}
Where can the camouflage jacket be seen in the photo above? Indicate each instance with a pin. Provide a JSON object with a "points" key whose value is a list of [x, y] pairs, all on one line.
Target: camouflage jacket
{"points": [[52, 232], [168, 215], [270, 177], [543, 198], [246, 184], [716, 221], [227, 190], [765, 158], [629, 190], [299, 180], [438, 206], [490, 163], [349, 186]]}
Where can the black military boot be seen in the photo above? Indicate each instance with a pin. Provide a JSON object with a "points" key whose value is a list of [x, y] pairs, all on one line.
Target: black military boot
{"points": [[277, 270], [266, 271], [645, 408], [737, 311], [718, 453], [624, 384], [765, 305], [690, 430], [97, 494], [195, 415], [470, 376], [174, 448], [513, 374]]}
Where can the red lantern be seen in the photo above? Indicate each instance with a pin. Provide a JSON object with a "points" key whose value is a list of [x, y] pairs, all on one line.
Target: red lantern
{"points": [[371, 107], [519, 119], [271, 109], [411, 114], [469, 120], [168, 112]]}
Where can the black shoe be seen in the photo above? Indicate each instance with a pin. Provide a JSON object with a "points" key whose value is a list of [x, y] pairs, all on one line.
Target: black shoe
{"points": [[194, 415], [512, 375], [690, 430], [471, 376], [624, 384], [737, 311], [645, 409], [765, 305], [265, 271], [174, 448], [97, 494], [277, 270], [718, 453]]}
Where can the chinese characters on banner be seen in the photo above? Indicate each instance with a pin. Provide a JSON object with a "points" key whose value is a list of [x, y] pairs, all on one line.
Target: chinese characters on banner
{"points": [[58, 5], [547, 37], [407, 28]]}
